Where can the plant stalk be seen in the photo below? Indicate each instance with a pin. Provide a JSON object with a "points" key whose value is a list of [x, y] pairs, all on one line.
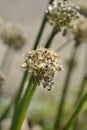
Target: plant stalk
{"points": [[34, 47], [50, 39], [75, 113], [26, 74], [65, 89], [82, 86], [41, 30], [23, 106]]}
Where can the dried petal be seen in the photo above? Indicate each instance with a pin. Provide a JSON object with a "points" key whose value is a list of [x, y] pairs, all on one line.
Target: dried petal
{"points": [[44, 63]]}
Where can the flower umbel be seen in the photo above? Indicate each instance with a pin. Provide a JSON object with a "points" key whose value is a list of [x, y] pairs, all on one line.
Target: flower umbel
{"points": [[80, 32], [62, 13], [12, 35], [43, 63]]}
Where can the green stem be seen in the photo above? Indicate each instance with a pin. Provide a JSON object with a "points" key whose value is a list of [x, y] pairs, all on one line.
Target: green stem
{"points": [[76, 112], [40, 33], [21, 110], [34, 47], [78, 98], [21, 88], [16, 98], [64, 92], [41, 30], [82, 86], [50, 39], [81, 89], [23, 107]]}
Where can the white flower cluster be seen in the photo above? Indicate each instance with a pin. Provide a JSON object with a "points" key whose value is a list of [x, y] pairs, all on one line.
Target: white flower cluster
{"points": [[12, 35], [43, 63], [62, 13]]}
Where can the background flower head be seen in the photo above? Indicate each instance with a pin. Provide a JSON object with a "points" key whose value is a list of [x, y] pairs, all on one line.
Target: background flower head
{"points": [[12, 35], [80, 32]]}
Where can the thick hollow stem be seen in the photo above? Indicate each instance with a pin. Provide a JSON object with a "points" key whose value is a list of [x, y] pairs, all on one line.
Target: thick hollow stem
{"points": [[23, 107]]}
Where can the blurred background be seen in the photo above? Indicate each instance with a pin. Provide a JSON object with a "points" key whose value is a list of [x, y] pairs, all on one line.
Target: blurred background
{"points": [[28, 14]]}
